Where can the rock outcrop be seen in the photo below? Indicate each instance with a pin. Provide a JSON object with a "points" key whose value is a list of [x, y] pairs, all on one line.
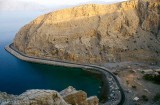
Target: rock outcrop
{"points": [[127, 31], [74, 97], [69, 96], [33, 97]]}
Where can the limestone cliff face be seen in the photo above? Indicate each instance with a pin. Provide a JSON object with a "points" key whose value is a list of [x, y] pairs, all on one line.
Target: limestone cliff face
{"points": [[127, 31]]}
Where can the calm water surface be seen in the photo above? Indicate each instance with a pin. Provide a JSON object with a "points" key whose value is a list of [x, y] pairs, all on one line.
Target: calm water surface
{"points": [[17, 76]]}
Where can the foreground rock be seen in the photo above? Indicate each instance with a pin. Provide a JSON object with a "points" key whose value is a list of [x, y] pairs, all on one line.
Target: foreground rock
{"points": [[34, 97], [74, 97], [48, 97], [127, 31]]}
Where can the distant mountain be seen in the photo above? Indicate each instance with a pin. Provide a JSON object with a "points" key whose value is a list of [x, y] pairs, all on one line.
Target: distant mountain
{"points": [[12, 5]]}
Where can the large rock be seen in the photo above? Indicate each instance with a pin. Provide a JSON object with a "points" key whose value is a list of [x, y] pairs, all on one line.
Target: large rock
{"points": [[33, 97], [69, 96], [126, 31], [74, 97]]}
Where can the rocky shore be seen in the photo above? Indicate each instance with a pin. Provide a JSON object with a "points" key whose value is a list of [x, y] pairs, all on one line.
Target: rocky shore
{"points": [[69, 96]]}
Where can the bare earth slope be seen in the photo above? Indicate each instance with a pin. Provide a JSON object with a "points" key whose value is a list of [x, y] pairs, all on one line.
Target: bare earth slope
{"points": [[127, 31]]}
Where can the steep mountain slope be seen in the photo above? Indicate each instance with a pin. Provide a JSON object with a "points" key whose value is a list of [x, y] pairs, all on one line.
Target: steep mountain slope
{"points": [[127, 31]]}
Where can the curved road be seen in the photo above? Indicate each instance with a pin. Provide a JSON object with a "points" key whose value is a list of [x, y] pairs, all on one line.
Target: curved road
{"points": [[101, 69]]}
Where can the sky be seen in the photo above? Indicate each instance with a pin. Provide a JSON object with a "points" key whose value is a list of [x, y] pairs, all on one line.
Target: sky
{"points": [[67, 2], [12, 5]]}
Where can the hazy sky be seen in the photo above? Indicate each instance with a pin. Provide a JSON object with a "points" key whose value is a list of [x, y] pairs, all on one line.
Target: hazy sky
{"points": [[13, 5], [68, 2]]}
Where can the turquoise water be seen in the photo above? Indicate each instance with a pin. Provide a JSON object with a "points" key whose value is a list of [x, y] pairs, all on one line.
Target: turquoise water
{"points": [[17, 76]]}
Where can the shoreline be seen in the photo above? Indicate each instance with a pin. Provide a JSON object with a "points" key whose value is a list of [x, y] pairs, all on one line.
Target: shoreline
{"points": [[104, 86], [115, 87]]}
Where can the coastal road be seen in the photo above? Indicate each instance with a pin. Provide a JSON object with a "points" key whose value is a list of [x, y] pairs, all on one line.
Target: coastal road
{"points": [[11, 49]]}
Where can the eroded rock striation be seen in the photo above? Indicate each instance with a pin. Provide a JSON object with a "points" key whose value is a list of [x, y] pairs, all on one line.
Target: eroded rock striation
{"points": [[127, 31], [69, 96]]}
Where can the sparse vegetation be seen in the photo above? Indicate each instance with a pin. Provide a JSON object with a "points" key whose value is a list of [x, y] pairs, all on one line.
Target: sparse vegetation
{"points": [[144, 98], [131, 71], [142, 72], [153, 78], [127, 82], [159, 9], [135, 41], [134, 87], [115, 73], [156, 97]]}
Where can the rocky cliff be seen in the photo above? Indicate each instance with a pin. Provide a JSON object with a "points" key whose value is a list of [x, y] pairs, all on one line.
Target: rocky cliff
{"points": [[127, 31], [69, 96]]}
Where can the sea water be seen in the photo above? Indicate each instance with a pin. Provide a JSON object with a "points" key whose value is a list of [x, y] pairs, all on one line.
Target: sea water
{"points": [[17, 76]]}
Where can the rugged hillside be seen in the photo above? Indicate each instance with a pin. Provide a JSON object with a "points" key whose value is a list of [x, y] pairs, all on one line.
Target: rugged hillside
{"points": [[127, 31]]}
